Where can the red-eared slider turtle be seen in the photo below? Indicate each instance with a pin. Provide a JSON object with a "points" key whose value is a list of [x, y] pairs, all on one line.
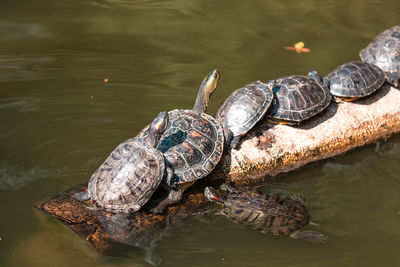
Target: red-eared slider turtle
{"points": [[353, 80], [268, 213], [298, 98], [244, 108], [192, 143], [384, 52], [131, 173]]}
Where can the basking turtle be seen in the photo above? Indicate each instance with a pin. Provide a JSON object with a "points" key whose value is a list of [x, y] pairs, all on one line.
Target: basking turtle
{"points": [[297, 98], [268, 213], [192, 143], [353, 80], [244, 108], [131, 173], [384, 52]]}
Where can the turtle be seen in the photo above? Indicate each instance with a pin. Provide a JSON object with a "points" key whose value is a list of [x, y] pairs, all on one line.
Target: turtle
{"points": [[384, 52], [269, 213], [192, 144], [244, 108], [131, 173], [298, 98], [354, 79]]}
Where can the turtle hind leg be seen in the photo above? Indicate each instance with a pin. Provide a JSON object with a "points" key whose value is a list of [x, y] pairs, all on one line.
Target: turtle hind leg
{"points": [[174, 196], [309, 235], [393, 78], [81, 196], [299, 199]]}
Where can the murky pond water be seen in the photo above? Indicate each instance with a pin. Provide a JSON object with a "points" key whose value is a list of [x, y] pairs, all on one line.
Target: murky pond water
{"points": [[59, 120]]}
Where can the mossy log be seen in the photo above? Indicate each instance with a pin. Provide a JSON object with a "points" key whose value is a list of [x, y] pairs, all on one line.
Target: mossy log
{"points": [[265, 151]]}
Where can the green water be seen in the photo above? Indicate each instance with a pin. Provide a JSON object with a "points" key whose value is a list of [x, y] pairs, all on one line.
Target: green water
{"points": [[59, 120]]}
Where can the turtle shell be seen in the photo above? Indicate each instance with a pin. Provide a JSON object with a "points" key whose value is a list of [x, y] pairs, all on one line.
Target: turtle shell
{"points": [[192, 144], [297, 98], [355, 79], [384, 50], [128, 177], [270, 213], [244, 107]]}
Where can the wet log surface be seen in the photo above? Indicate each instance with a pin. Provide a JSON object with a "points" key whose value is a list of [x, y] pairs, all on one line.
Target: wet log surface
{"points": [[265, 151]]}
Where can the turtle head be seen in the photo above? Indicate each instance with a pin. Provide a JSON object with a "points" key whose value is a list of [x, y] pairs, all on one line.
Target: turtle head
{"points": [[157, 128], [206, 89], [313, 74], [212, 195], [393, 78], [317, 77]]}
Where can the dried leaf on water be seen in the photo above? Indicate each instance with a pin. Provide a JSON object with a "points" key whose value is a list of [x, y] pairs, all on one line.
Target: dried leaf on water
{"points": [[298, 47]]}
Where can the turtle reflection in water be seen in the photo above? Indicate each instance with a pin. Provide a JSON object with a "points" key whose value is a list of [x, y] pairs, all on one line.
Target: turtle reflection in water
{"points": [[268, 213], [133, 231]]}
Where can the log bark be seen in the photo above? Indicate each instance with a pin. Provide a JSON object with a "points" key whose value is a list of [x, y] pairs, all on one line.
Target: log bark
{"points": [[267, 150]]}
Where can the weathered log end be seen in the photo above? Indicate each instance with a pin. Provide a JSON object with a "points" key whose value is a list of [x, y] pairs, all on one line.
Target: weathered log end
{"points": [[107, 231]]}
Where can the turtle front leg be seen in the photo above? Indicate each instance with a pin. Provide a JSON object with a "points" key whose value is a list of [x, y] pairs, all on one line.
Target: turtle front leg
{"points": [[228, 136], [168, 177], [309, 235], [174, 196], [235, 142]]}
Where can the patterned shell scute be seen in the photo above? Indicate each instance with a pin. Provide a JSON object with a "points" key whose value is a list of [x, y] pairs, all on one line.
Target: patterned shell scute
{"points": [[128, 177], [355, 79], [297, 98], [245, 107], [270, 213], [384, 50], [192, 144]]}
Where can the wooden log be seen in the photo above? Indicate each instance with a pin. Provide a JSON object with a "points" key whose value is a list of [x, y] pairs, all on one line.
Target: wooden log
{"points": [[267, 150], [338, 129]]}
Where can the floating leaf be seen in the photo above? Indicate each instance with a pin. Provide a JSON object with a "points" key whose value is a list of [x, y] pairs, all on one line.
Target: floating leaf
{"points": [[298, 47]]}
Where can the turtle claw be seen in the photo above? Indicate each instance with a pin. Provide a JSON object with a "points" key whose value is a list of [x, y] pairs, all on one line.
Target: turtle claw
{"points": [[157, 210], [309, 235]]}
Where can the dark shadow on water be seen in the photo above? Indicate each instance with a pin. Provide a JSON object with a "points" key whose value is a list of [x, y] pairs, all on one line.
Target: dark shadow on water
{"points": [[121, 228]]}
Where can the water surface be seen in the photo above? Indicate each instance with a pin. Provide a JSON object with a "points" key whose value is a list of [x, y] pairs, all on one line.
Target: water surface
{"points": [[60, 120]]}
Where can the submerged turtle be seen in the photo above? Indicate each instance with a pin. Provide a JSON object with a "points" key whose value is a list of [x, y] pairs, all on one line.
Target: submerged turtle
{"points": [[268, 213], [244, 108], [384, 52], [131, 173], [192, 143], [298, 98], [353, 80]]}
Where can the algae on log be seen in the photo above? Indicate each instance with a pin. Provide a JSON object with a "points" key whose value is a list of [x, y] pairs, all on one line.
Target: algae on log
{"points": [[266, 151]]}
